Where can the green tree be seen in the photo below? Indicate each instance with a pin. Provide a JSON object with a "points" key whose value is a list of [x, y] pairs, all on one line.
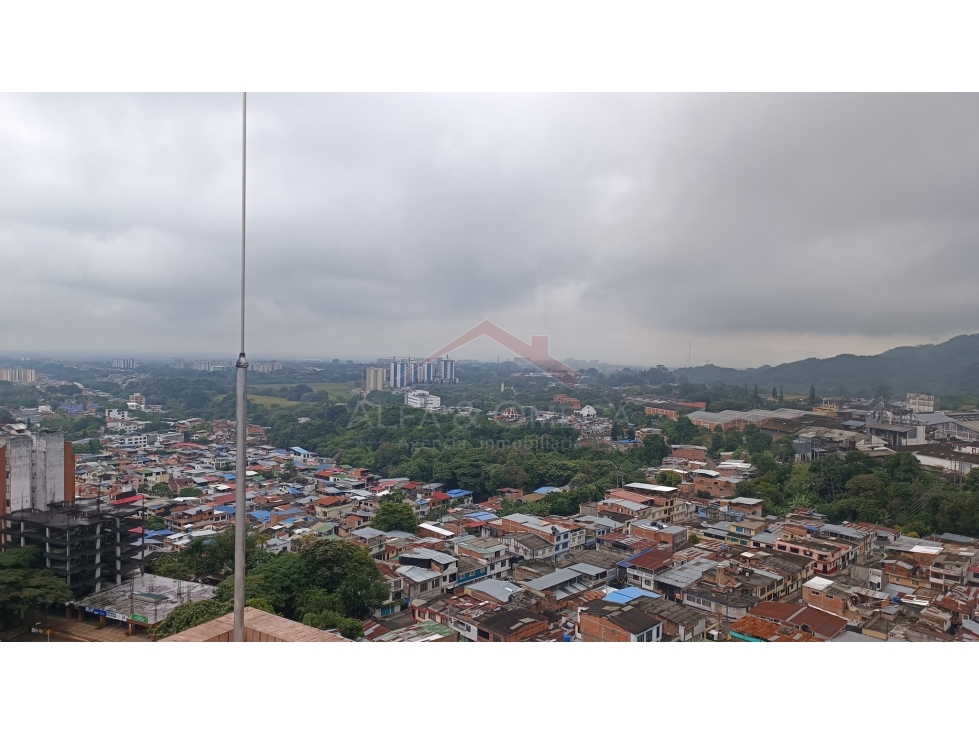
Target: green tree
{"points": [[23, 587], [683, 431], [756, 442], [330, 562], [191, 614], [864, 484], [261, 604], [395, 516], [350, 628], [153, 522], [190, 492], [654, 449], [668, 479], [92, 447], [902, 467], [160, 489], [361, 593], [959, 514]]}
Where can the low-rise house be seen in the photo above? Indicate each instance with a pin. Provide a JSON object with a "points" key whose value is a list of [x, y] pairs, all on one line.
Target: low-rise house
{"points": [[554, 590], [641, 570], [721, 603], [746, 505], [860, 538], [661, 496], [680, 623], [427, 631], [673, 582], [627, 508], [753, 629], [495, 590], [672, 536], [962, 602], [461, 613], [952, 567], [511, 625], [528, 546], [596, 526], [742, 532], [830, 557], [714, 483], [795, 570], [494, 554], [565, 536], [442, 565], [331, 508], [607, 621], [823, 593]]}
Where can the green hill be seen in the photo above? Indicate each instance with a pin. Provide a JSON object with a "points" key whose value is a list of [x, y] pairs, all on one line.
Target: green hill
{"points": [[948, 368]]}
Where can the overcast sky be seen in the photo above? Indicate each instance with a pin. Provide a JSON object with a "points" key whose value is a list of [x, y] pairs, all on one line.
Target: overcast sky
{"points": [[759, 229]]}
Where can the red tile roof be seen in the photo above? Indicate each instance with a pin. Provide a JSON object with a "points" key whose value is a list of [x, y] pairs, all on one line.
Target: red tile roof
{"points": [[823, 624], [653, 560], [776, 610]]}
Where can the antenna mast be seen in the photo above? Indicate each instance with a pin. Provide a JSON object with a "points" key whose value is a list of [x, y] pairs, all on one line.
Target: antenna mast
{"points": [[241, 374]]}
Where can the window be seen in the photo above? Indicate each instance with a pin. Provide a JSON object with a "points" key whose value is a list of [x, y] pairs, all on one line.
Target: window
{"points": [[814, 593]]}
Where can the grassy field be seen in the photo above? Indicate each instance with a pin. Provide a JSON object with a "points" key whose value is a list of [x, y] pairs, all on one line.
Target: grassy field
{"points": [[267, 400], [318, 386], [339, 392]]}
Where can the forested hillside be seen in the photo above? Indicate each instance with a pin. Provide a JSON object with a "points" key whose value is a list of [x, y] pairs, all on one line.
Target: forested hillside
{"points": [[947, 368]]}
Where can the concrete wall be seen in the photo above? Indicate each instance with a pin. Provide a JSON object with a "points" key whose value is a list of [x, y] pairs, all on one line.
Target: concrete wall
{"points": [[49, 469], [19, 464]]}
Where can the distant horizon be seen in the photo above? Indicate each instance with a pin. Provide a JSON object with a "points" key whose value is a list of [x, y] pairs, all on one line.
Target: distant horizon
{"points": [[162, 359]]}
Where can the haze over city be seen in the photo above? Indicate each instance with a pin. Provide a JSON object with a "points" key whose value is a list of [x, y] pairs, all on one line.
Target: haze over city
{"points": [[747, 229]]}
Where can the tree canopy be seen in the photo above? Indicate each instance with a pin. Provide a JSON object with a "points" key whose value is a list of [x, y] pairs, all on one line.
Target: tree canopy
{"points": [[395, 516], [23, 587]]}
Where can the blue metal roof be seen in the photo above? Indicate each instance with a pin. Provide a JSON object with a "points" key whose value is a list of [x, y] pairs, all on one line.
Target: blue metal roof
{"points": [[546, 490], [628, 594], [298, 450], [230, 509], [456, 493], [260, 514], [482, 515]]}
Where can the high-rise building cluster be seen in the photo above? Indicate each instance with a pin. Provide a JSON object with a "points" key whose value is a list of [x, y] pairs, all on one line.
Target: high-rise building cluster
{"points": [[124, 363], [375, 379], [265, 366], [18, 375], [410, 371], [212, 365]]}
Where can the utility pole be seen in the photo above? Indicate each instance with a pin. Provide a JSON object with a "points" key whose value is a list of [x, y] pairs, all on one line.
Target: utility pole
{"points": [[241, 374]]}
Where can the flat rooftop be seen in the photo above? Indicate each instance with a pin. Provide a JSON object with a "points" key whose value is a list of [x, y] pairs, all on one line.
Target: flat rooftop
{"points": [[145, 599]]}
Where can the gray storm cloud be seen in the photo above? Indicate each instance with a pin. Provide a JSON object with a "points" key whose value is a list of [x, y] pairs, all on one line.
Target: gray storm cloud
{"points": [[760, 228]]}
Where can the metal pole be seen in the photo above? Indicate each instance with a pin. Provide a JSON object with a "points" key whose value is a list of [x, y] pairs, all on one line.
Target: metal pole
{"points": [[241, 369]]}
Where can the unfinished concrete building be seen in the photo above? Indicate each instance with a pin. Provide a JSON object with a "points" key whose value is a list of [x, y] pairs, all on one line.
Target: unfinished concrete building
{"points": [[88, 543]]}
